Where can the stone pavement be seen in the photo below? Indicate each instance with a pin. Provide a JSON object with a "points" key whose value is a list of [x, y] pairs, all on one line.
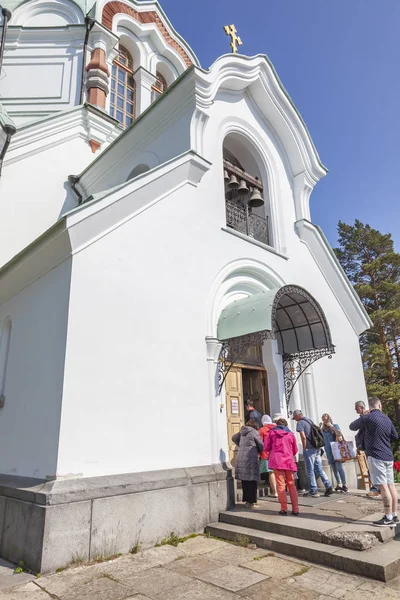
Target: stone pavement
{"points": [[200, 569]]}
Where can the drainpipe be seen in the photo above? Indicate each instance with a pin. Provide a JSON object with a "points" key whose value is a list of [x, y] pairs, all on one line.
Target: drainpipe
{"points": [[9, 130], [89, 22], [6, 17]]}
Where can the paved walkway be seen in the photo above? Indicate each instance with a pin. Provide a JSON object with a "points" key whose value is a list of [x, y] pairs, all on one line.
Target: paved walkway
{"points": [[200, 569]]}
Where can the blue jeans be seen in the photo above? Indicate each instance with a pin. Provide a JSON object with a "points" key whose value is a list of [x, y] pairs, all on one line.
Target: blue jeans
{"points": [[312, 458], [338, 472]]}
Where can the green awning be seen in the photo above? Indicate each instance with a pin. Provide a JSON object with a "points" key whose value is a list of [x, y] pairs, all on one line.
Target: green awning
{"points": [[248, 315], [292, 315]]}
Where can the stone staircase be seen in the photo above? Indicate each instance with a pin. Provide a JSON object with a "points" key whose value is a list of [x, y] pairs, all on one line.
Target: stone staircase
{"points": [[356, 547]]}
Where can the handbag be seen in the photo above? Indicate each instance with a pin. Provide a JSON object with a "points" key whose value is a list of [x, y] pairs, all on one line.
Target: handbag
{"points": [[343, 450]]}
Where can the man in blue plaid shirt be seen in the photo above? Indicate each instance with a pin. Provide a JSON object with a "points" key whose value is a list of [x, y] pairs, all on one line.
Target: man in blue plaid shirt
{"points": [[379, 432]]}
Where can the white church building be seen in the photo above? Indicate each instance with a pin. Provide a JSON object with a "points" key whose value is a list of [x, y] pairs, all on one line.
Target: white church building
{"points": [[158, 267]]}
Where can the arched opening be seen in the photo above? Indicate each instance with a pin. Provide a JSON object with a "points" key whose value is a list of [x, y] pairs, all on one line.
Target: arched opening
{"points": [[159, 86], [122, 97], [245, 188]]}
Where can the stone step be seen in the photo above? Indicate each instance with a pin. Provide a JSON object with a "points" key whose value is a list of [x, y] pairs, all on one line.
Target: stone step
{"points": [[357, 536], [381, 562]]}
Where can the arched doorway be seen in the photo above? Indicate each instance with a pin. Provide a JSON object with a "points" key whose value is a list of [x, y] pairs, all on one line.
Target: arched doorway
{"points": [[288, 314]]}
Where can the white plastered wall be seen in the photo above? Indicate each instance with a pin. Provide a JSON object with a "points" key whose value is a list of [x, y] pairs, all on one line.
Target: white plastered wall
{"points": [[30, 419], [136, 367], [35, 192]]}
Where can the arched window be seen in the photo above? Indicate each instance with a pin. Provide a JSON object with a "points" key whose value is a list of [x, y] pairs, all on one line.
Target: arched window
{"points": [[122, 101], [246, 208], [4, 349], [159, 86]]}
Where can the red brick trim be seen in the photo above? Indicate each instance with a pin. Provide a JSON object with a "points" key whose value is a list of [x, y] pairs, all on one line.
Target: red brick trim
{"points": [[98, 61], [115, 7], [94, 145], [97, 97]]}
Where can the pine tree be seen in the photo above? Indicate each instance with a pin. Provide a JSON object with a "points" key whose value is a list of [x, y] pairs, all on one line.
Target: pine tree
{"points": [[373, 267]]}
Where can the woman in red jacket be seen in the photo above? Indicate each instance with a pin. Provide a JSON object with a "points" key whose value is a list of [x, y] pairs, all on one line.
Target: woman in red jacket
{"points": [[267, 425], [282, 447]]}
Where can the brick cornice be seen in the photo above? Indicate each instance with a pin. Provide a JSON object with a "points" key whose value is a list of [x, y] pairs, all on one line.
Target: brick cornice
{"points": [[115, 7]]}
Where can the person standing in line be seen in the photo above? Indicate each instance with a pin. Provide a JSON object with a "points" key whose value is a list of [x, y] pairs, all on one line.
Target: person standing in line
{"points": [[331, 433], [361, 409], [379, 432], [253, 414], [312, 456], [247, 464], [282, 447], [267, 425]]}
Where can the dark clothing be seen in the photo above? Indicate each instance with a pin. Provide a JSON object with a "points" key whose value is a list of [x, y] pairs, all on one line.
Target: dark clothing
{"points": [[255, 416], [249, 491], [250, 445], [360, 445], [379, 431]]}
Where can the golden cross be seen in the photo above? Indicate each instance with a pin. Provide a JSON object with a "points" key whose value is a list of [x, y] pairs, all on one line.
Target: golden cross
{"points": [[235, 39]]}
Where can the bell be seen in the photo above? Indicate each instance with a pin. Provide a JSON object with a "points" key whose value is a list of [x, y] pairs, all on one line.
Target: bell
{"points": [[226, 176], [243, 190], [256, 199], [233, 183]]}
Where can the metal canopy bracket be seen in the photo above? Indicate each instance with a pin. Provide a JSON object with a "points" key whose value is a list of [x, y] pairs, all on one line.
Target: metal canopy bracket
{"points": [[294, 366], [234, 349]]}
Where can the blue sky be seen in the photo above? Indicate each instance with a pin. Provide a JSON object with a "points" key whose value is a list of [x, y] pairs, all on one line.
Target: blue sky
{"points": [[340, 62]]}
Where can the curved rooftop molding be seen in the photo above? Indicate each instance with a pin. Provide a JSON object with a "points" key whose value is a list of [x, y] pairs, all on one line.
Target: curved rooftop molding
{"points": [[27, 13], [257, 75], [48, 13]]}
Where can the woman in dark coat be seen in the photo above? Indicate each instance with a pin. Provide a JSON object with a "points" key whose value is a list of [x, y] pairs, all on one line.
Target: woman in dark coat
{"points": [[247, 465]]}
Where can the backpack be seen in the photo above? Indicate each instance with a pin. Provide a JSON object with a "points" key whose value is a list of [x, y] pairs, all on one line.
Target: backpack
{"points": [[316, 437]]}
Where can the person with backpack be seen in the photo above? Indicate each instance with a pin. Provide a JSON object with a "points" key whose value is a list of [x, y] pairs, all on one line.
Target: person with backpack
{"points": [[312, 440]]}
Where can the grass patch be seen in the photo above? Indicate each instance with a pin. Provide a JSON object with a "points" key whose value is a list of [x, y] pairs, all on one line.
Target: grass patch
{"points": [[101, 559], [136, 548], [109, 576], [174, 540], [242, 540], [263, 556], [301, 571], [22, 568]]}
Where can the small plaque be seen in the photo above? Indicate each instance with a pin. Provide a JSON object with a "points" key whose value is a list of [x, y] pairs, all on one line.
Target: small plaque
{"points": [[234, 406]]}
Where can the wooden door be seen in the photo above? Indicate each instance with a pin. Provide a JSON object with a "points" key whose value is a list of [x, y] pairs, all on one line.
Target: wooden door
{"points": [[234, 408], [255, 388]]}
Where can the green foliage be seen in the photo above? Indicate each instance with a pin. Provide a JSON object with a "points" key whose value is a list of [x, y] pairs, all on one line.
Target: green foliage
{"points": [[136, 548], [373, 267], [174, 540], [22, 568], [242, 540], [301, 571]]}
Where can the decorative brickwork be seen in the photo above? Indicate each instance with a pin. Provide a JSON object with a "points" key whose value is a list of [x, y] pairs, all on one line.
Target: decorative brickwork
{"points": [[97, 97], [116, 7], [94, 145], [98, 61]]}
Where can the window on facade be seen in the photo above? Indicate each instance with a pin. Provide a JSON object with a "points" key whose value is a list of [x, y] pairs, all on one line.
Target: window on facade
{"points": [[244, 199], [159, 87], [122, 99]]}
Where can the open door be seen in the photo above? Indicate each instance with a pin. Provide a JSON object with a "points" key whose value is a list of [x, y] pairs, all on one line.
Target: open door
{"points": [[234, 407]]}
